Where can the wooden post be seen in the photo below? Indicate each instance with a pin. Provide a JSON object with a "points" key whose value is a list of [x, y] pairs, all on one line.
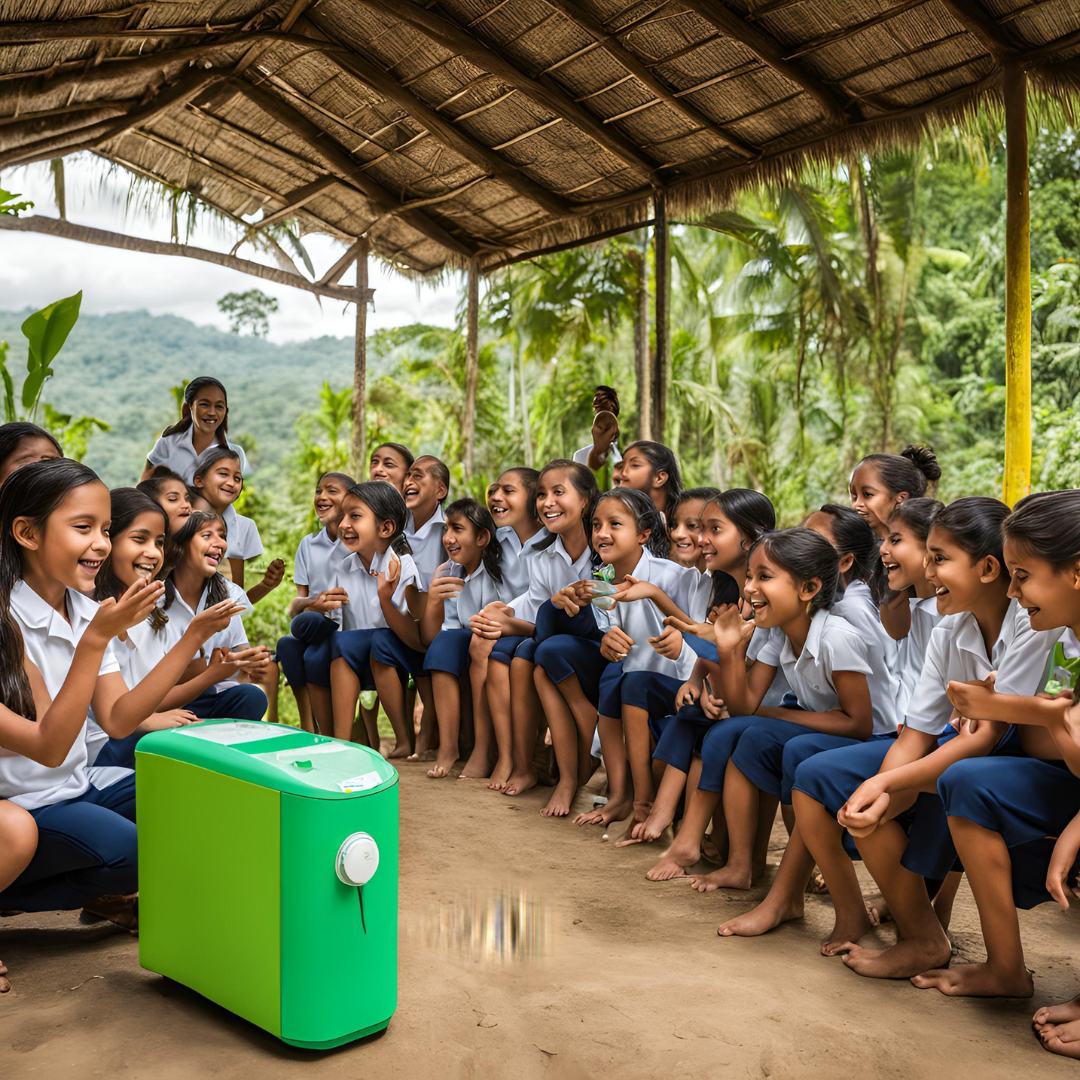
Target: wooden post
{"points": [[1017, 290], [642, 367], [472, 367], [358, 447], [662, 355]]}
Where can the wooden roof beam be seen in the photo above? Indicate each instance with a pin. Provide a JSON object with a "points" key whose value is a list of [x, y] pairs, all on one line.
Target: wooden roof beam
{"points": [[294, 200], [96, 29], [976, 21], [626, 59], [767, 49], [542, 90], [338, 161]]}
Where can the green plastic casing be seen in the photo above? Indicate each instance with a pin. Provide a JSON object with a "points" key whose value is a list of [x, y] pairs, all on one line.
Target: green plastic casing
{"points": [[239, 896]]}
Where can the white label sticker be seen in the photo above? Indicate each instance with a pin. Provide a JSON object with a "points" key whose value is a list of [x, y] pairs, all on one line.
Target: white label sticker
{"points": [[360, 783]]}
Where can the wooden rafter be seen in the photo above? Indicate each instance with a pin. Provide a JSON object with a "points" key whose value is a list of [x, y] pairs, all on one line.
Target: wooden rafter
{"points": [[626, 59], [70, 231], [294, 200], [352, 253], [767, 49], [846, 33], [543, 90], [974, 19], [96, 29]]}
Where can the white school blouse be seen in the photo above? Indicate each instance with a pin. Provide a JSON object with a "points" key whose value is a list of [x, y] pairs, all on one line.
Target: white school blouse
{"points": [[242, 534], [517, 558], [613, 456], [426, 544], [832, 645], [49, 641], [363, 611], [551, 569], [642, 619], [766, 645], [177, 452], [957, 653], [234, 636], [912, 652], [480, 590], [316, 562]]}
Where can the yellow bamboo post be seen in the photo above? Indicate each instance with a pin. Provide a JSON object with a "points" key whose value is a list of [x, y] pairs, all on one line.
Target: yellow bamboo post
{"points": [[358, 443], [1017, 290]]}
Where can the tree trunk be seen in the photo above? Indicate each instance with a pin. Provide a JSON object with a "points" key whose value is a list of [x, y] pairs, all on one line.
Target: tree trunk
{"points": [[526, 430], [472, 367], [358, 448]]}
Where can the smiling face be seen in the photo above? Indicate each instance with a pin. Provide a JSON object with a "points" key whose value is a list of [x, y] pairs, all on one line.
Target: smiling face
{"points": [[173, 498], [464, 542], [208, 410], [389, 466], [904, 556], [1050, 596], [221, 484], [139, 551], [871, 499], [328, 495], [508, 501], [684, 532], [615, 535], [73, 543], [636, 471], [723, 547], [206, 549], [957, 578], [358, 529], [30, 448], [558, 502], [773, 593], [423, 489]]}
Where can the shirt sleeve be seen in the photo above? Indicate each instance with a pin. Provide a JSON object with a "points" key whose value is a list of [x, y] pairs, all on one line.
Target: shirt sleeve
{"points": [[301, 572], [1024, 664], [159, 453], [844, 650], [765, 647], [109, 662], [252, 540], [409, 575], [537, 593], [929, 708]]}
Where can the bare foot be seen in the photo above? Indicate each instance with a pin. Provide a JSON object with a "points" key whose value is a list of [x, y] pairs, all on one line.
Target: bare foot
{"points": [[901, 961], [122, 911], [765, 917], [606, 814], [561, 798], [727, 877], [879, 910], [1064, 1013], [1063, 1040], [976, 980], [519, 782], [443, 765], [675, 862], [645, 832], [427, 755], [476, 768], [843, 933], [400, 752], [500, 775], [5, 986]]}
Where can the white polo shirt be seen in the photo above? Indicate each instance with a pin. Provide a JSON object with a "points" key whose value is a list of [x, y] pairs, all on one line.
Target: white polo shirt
{"points": [[49, 641], [957, 653], [765, 646], [912, 652], [551, 569], [242, 534], [316, 562], [177, 452], [426, 544], [517, 558], [480, 590], [363, 611]]}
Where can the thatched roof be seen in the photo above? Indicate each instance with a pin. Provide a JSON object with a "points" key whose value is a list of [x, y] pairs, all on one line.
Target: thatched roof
{"points": [[450, 129]]}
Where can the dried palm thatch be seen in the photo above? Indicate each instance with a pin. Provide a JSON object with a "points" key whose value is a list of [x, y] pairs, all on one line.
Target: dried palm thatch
{"points": [[450, 130]]}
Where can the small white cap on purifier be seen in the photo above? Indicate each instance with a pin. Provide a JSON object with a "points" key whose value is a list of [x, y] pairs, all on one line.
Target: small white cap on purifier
{"points": [[357, 859]]}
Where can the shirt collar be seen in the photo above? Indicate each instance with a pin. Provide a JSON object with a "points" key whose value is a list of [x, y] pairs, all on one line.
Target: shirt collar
{"points": [[812, 646], [35, 612], [421, 534], [229, 516], [507, 534]]}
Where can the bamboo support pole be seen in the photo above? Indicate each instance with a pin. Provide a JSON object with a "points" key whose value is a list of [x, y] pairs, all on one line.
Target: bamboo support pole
{"points": [[1017, 291], [358, 447], [662, 353], [472, 367]]}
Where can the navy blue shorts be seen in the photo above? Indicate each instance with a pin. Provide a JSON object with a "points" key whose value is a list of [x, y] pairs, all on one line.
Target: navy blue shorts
{"points": [[717, 747], [504, 649], [759, 754], [354, 647], [648, 690], [832, 777], [680, 736], [565, 655], [1026, 800], [449, 652], [387, 648], [552, 621], [527, 650], [304, 654]]}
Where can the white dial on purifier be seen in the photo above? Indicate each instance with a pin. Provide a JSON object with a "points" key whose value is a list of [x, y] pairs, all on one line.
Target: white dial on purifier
{"points": [[357, 859]]}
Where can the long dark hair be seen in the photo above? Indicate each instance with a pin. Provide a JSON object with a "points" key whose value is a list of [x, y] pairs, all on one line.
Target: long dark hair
{"points": [[584, 483], [12, 434], [646, 518], [917, 515], [34, 492], [805, 554], [853, 536], [1048, 526], [209, 458], [662, 459], [975, 523], [914, 470], [127, 504], [479, 517], [753, 515], [387, 504], [217, 588], [190, 392]]}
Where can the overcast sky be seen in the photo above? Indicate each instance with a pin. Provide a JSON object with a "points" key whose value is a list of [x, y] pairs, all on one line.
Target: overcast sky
{"points": [[36, 269]]}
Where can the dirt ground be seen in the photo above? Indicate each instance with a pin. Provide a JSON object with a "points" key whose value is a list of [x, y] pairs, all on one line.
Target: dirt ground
{"points": [[531, 948]]}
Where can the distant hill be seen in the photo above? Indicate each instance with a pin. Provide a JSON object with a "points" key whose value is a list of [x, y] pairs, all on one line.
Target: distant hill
{"points": [[119, 368]]}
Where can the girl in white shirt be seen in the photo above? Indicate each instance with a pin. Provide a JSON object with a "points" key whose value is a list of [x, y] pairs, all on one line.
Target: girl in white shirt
{"points": [[379, 590], [460, 589], [204, 422], [306, 647]]}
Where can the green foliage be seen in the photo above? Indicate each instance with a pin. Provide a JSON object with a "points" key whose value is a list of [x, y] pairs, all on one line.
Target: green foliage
{"points": [[9, 206], [46, 331], [249, 310]]}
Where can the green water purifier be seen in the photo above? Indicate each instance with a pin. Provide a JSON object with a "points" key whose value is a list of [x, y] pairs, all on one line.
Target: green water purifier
{"points": [[268, 875]]}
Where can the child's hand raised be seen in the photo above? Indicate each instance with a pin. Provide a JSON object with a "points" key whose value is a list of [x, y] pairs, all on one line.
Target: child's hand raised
{"points": [[616, 644], [329, 600], [212, 620], [386, 582], [113, 617], [669, 644], [275, 572], [702, 630], [731, 632]]}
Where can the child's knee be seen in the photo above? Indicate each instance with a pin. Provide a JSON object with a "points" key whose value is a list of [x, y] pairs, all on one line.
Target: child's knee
{"points": [[19, 831]]}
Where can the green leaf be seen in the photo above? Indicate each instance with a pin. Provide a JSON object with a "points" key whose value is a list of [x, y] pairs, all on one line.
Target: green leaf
{"points": [[46, 331], [9, 206]]}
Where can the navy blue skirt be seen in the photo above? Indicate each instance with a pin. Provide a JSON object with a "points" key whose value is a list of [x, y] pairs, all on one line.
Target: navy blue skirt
{"points": [[304, 654], [647, 690], [759, 754], [449, 652], [505, 648], [717, 747], [388, 649], [567, 654], [354, 647]]}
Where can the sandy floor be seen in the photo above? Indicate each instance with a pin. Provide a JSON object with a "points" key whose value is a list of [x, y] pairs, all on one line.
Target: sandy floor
{"points": [[609, 975]]}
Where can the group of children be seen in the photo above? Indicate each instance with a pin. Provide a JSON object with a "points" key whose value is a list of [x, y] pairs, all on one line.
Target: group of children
{"points": [[896, 675]]}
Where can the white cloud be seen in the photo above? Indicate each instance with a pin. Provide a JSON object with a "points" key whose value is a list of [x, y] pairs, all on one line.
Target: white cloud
{"points": [[36, 269]]}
